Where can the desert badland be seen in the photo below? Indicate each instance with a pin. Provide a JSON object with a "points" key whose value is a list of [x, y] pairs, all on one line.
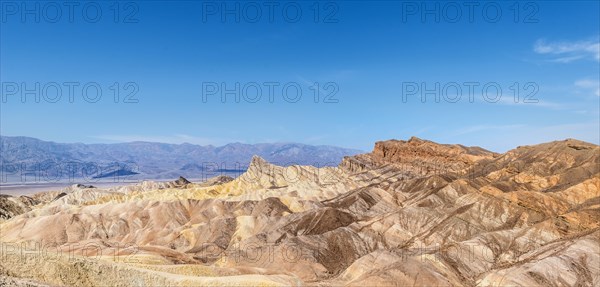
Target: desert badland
{"points": [[409, 213]]}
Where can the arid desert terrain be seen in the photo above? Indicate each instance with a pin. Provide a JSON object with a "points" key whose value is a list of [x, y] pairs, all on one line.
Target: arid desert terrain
{"points": [[409, 213]]}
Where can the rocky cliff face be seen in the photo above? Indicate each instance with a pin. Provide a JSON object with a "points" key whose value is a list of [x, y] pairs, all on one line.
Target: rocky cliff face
{"points": [[418, 157], [411, 212]]}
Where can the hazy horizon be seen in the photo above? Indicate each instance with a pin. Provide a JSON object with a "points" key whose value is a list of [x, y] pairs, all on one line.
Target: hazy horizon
{"points": [[290, 142]]}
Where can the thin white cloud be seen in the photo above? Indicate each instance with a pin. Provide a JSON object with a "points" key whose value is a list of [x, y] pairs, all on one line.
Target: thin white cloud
{"points": [[480, 128], [567, 52], [566, 60], [507, 98], [589, 85], [534, 102]]}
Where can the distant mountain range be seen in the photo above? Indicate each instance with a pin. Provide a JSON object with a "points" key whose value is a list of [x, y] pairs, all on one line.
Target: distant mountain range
{"points": [[31, 157]]}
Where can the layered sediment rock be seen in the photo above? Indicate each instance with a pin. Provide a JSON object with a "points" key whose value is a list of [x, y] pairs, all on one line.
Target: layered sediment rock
{"points": [[410, 213], [11, 206]]}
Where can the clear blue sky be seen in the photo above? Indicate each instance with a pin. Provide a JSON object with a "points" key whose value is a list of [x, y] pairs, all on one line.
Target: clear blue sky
{"points": [[367, 50]]}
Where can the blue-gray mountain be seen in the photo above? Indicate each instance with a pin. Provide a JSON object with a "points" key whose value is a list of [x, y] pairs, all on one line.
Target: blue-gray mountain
{"points": [[30, 156]]}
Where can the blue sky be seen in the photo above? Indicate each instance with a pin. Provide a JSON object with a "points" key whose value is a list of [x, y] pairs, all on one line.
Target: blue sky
{"points": [[370, 53]]}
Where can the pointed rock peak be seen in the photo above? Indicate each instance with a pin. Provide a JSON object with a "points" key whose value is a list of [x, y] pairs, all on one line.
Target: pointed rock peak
{"points": [[59, 196], [220, 179], [258, 161], [414, 139], [182, 181]]}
